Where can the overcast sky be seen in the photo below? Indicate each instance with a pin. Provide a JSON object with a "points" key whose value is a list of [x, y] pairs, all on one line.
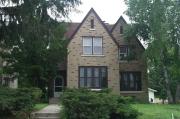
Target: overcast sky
{"points": [[108, 10]]}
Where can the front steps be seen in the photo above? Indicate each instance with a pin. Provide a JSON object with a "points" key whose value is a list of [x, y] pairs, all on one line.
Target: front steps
{"points": [[38, 115]]}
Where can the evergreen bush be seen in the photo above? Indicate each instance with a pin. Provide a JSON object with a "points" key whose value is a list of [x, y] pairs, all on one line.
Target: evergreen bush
{"points": [[87, 104]]}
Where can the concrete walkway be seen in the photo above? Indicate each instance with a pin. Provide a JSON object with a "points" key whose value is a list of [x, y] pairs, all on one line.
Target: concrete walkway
{"points": [[53, 108], [52, 111]]}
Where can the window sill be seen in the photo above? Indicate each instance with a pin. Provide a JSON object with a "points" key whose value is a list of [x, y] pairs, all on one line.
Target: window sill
{"points": [[123, 92], [126, 61], [95, 89], [93, 55], [92, 29]]}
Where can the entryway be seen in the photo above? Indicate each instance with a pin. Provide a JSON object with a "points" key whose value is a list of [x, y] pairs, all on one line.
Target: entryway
{"points": [[58, 86]]}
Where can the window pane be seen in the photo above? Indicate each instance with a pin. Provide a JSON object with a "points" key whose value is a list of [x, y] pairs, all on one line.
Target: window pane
{"points": [[96, 72], [92, 23], [89, 72], [81, 72], [104, 82], [58, 82], [58, 89], [131, 80], [82, 82], [97, 41], [125, 78], [97, 83], [103, 71], [89, 82], [121, 29], [123, 49], [87, 50], [87, 41], [97, 50]]}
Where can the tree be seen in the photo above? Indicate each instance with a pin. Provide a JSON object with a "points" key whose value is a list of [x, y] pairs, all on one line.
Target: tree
{"points": [[32, 41], [152, 22]]}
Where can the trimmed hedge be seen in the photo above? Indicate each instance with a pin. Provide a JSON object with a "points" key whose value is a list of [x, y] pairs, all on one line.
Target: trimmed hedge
{"points": [[86, 104], [17, 101]]}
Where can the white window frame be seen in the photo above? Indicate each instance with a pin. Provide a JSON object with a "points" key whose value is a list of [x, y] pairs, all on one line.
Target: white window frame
{"points": [[93, 45]]}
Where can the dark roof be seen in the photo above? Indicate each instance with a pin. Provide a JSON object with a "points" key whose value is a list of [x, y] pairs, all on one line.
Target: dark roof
{"points": [[71, 27]]}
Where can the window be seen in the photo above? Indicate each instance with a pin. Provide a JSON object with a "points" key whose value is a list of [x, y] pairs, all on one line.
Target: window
{"points": [[121, 29], [92, 23], [123, 52], [92, 45], [93, 77], [130, 81]]}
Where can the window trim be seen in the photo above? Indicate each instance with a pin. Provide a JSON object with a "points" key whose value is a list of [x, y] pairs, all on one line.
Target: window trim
{"points": [[101, 87], [92, 37], [135, 82]]}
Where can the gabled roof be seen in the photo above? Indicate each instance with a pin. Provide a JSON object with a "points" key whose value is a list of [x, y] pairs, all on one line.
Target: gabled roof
{"points": [[102, 23], [72, 28], [121, 18]]}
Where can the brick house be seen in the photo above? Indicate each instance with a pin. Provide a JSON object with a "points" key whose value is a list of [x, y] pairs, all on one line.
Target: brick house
{"points": [[97, 59]]}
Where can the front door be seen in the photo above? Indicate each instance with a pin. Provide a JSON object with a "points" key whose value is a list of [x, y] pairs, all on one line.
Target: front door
{"points": [[58, 86]]}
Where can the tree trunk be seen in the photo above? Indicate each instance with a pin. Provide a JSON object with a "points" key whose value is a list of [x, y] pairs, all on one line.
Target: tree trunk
{"points": [[169, 94]]}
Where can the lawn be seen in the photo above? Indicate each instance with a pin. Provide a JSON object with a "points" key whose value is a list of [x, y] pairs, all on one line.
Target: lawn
{"points": [[40, 106], [158, 111]]}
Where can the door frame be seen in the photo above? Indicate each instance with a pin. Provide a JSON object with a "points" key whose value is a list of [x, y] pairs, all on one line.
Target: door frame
{"points": [[58, 94]]}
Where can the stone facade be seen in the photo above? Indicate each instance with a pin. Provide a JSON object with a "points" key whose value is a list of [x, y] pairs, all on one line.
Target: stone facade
{"points": [[109, 58]]}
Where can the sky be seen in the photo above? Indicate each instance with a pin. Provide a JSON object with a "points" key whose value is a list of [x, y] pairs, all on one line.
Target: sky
{"points": [[108, 10]]}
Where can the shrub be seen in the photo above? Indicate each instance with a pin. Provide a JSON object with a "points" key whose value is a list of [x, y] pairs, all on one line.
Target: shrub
{"points": [[17, 101], [86, 104]]}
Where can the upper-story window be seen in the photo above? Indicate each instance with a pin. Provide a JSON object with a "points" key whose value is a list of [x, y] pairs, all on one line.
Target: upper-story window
{"points": [[92, 45], [121, 29], [123, 52], [92, 23]]}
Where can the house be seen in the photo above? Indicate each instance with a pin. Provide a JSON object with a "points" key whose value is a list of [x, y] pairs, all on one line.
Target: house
{"points": [[151, 95], [7, 80], [98, 58]]}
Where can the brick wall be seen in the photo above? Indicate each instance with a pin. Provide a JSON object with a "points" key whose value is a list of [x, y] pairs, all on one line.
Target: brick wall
{"points": [[109, 58]]}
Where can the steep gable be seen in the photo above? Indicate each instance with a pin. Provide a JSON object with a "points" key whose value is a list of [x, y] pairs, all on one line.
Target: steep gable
{"points": [[96, 16], [115, 31]]}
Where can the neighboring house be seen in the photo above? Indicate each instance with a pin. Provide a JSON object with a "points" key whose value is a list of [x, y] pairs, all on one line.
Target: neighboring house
{"points": [[5, 80], [151, 95], [97, 59]]}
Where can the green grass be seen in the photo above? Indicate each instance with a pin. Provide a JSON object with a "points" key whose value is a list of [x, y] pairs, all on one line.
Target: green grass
{"points": [[40, 106], [157, 111]]}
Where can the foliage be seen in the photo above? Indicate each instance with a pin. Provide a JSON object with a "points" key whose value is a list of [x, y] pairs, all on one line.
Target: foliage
{"points": [[152, 21], [32, 39], [156, 81], [17, 101], [86, 104], [157, 111]]}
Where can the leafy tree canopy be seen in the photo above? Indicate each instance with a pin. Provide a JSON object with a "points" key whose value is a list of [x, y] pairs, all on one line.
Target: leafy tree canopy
{"points": [[158, 22], [32, 41]]}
